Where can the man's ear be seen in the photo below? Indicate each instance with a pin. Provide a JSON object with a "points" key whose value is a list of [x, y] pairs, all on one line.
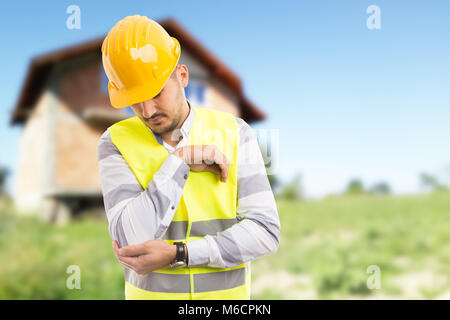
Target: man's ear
{"points": [[184, 73]]}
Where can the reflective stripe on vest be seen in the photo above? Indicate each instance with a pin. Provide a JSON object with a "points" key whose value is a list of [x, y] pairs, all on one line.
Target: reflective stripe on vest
{"points": [[180, 283], [207, 206], [178, 229]]}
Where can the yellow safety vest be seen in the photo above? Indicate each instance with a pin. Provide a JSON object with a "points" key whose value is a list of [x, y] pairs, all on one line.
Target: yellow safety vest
{"points": [[207, 206]]}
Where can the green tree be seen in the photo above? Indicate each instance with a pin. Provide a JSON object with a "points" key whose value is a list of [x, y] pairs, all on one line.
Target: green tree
{"points": [[355, 186], [293, 189], [381, 188], [4, 172], [431, 182]]}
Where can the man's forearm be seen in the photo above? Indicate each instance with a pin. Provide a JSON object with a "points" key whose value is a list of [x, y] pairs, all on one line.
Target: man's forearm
{"points": [[242, 242], [255, 235], [136, 215]]}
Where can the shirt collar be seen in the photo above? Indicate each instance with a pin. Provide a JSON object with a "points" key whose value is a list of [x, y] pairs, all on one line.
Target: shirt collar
{"points": [[185, 127], [187, 124]]}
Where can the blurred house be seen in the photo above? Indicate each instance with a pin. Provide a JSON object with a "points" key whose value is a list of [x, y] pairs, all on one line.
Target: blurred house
{"points": [[64, 108]]}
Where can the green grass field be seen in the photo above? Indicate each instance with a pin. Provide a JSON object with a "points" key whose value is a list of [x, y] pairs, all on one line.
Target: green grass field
{"points": [[326, 248]]}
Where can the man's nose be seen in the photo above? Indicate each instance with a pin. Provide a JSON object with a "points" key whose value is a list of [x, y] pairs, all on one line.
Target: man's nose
{"points": [[148, 109]]}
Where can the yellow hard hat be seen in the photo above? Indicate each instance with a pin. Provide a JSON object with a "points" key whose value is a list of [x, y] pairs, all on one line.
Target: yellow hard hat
{"points": [[138, 57]]}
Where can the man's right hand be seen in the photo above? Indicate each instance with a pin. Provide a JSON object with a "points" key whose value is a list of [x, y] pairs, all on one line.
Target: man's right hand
{"points": [[204, 158]]}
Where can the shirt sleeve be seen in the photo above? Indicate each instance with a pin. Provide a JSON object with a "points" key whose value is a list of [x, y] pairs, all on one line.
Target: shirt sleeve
{"points": [[257, 232], [136, 215]]}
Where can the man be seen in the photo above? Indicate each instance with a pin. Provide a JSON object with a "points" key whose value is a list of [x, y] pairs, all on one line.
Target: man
{"points": [[179, 231]]}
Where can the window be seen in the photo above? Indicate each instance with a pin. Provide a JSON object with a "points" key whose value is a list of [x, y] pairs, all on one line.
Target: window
{"points": [[195, 91]]}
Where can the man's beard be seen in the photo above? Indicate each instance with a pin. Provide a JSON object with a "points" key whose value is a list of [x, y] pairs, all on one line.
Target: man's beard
{"points": [[169, 128]]}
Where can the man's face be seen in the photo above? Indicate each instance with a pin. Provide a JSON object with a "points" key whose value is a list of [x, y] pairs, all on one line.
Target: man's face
{"points": [[164, 112]]}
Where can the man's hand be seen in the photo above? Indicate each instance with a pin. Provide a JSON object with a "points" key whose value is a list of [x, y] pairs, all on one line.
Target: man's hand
{"points": [[145, 257], [204, 158]]}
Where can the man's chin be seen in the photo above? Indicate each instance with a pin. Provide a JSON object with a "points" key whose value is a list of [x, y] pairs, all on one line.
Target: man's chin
{"points": [[158, 128]]}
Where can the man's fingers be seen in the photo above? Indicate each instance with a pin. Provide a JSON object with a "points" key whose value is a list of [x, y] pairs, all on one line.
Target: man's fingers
{"points": [[222, 161], [214, 168], [214, 159], [130, 262], [126, 265], [115, 246], [217, 157], [221, 170], [224, 168], [131, 251]]}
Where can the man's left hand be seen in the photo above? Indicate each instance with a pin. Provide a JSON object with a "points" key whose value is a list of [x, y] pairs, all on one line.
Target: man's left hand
{"points": [[145, 257]]}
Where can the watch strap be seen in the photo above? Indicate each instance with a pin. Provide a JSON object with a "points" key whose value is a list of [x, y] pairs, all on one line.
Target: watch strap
{"points": [[181, 254]]}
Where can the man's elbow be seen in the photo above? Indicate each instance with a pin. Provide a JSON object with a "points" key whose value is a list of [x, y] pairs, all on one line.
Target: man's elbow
{"points": [[117, 232], [275, 234], [272, 230]]}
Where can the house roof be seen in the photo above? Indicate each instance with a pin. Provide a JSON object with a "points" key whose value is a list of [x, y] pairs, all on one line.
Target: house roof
{"points": [[40, 67]]}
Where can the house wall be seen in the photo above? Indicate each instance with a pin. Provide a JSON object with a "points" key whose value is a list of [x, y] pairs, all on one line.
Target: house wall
{"points": [[29, 182], [75, 159], [220, 100]]}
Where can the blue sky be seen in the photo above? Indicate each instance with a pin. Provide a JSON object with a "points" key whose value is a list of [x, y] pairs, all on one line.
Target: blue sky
{"points": [[347, 101]]}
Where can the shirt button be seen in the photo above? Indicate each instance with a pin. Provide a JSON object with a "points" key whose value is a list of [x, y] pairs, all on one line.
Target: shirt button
{"points": [[173, 207], [185, 176]]}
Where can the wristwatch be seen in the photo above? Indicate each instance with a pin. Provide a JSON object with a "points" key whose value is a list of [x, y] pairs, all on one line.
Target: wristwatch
{"points": [[180, 258]]}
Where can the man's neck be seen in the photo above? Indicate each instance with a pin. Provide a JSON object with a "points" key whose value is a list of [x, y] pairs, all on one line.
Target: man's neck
{"points": [[167, 137]]}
